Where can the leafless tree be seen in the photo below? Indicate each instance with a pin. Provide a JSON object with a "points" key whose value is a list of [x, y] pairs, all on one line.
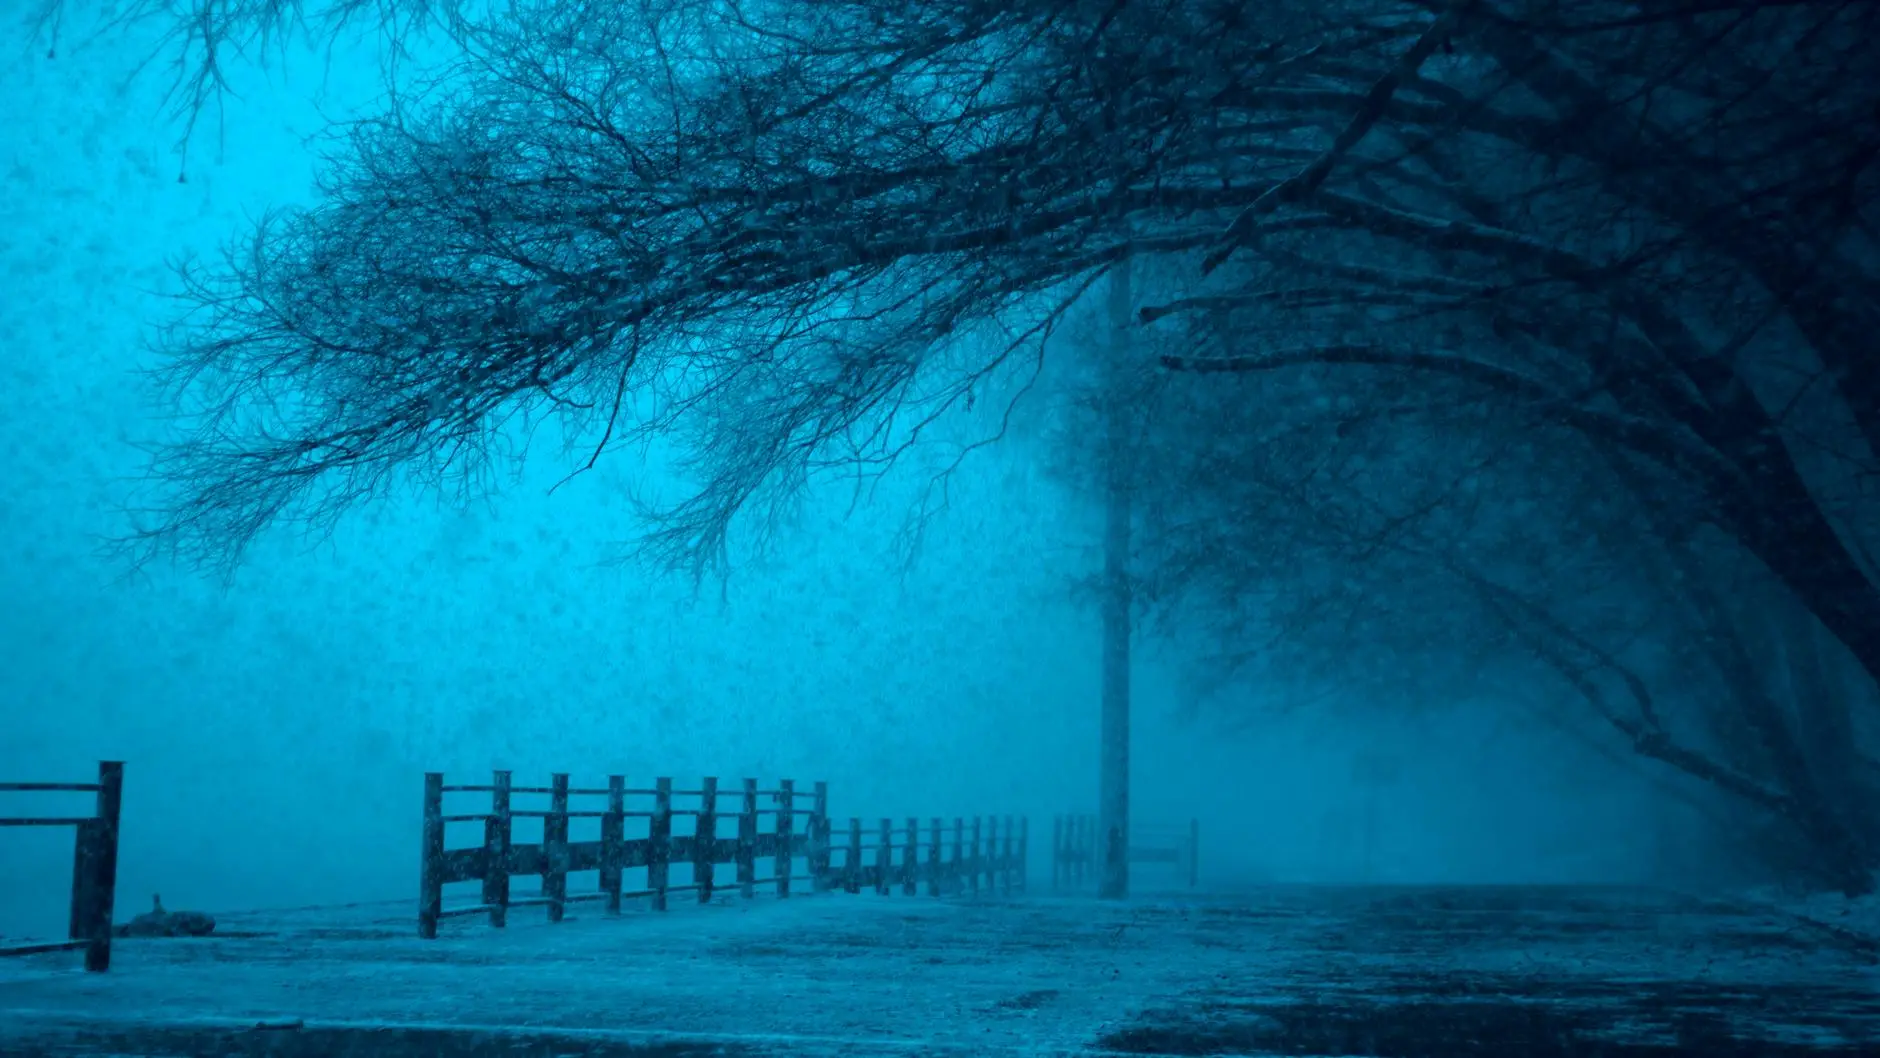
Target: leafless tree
{"points": [[198, 42], [755, 232], [1651, 222], [1396, 542], [678, 221]]}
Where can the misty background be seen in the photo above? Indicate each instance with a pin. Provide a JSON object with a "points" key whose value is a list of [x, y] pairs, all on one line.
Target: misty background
{"points": [[275, 731]]}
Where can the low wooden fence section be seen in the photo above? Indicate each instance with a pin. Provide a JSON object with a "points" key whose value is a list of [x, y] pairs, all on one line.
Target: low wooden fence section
{"points": [[94, 863], [776, 828], [1074, 849], [892, 856]]}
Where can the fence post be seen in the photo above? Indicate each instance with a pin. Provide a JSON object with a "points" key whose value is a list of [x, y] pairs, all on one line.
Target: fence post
{"points": [[959, 852], [613, 841], [819, 839], [747, 841], [935, 836], [659, 841], [1005, 858], [884, 858], [431, 857], [555, 847], [786, 836], [1024, 860], [496, 837], [705, 840], [852, 868], [910, 859], [989, 864], [972, 865], [1194, 852], [101, 855]]}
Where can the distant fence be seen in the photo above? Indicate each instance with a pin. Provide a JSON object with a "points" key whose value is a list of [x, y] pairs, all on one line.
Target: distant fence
{"points": [[768, 832], [997, 857], [1074, 849], [94, 863]]}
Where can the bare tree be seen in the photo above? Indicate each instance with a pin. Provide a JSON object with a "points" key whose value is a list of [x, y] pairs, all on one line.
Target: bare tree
{"points": [[200, 41], [1406, 542], [758, 233], [1623, 231], [676, 221]]}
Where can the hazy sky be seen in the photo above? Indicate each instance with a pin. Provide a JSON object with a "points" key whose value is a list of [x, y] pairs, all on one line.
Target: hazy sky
{"points": [[275, 733]]}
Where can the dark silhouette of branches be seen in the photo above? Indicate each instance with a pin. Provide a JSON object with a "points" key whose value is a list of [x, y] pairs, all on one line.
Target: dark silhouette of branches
{"points": [[787, 218], [787, 240], [1646, 219], [199, 41]]}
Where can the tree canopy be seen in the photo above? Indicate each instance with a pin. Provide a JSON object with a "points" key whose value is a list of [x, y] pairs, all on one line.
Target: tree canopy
{"points": [[1622, 249]]}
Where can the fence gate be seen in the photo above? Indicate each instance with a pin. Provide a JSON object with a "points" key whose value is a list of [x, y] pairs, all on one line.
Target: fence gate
{"points": [[1074, 849], [94, 863]]}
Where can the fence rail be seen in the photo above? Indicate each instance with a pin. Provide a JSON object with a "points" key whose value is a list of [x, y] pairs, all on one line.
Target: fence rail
{"points": [[1074, 849], [982, 851], [94, 863], [774, 826]]}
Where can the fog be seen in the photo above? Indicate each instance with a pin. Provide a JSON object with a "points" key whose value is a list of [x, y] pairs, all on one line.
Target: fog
{"points": [[276, 729]]}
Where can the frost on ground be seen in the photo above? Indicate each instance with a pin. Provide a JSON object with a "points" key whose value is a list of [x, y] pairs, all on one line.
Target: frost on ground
{"points": [[1388, 972]]}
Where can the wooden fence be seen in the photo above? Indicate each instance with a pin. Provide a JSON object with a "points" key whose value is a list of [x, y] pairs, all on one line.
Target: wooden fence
{"points": [[1074, 849], [94, 863], [774, 827], [892, 856]]}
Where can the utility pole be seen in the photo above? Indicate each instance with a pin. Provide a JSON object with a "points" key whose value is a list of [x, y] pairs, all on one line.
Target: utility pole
{"points": [[1113, 767]]}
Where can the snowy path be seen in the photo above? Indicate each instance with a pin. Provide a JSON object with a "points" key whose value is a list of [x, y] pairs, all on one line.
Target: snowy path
{"points": [[1393, 973]]}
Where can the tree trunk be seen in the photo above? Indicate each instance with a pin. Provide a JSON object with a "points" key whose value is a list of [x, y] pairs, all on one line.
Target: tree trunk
{"points": [[1842, 857], [1824, 723], [1113, 778]]}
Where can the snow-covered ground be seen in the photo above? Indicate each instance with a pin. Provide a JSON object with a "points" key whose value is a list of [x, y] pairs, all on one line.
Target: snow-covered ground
{"points": [[1393, 972], [1837, 920]]}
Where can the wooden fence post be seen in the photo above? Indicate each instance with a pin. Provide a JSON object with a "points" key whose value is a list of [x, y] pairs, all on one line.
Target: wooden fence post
{"points": [[705, 840], [613, 841], [496, 839], [786, 836], [852, 867], [884, 858], [100, 840], [994, 863], [819, 839], [1005, 858], [910, 859], [431, 857], [935, 838], [959, 851], [747, 841], [972, 862], [1024, 860], [659, 840], [555, 847]]}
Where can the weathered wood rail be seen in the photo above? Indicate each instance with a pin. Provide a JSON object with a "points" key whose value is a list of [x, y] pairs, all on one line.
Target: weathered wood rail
{"points": [[94, 863], [1074, 849], [776, 827]]}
